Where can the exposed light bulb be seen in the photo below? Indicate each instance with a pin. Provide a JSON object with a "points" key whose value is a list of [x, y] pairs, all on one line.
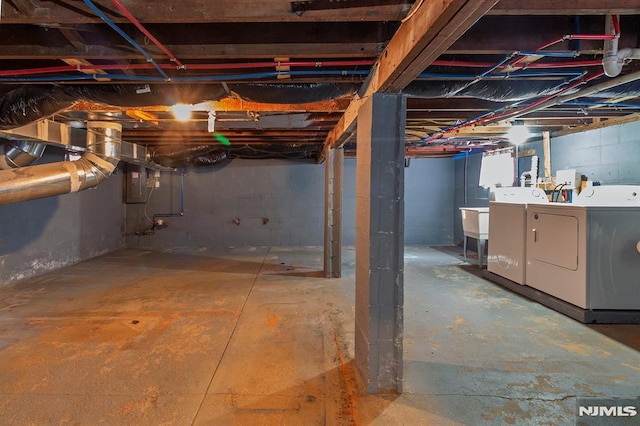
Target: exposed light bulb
{"points": [[182, 112], [518, 134]]}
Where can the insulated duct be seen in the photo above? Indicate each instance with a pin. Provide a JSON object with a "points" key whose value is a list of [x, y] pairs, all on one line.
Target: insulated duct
{"points": [[20, 154], [96, 165]]}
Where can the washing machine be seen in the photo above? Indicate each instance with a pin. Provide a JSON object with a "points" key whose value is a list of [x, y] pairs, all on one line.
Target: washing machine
{"points": [[507, 230], [587, 253]]}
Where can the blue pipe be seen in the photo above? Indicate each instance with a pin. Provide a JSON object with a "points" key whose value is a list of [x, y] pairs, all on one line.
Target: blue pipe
{"points": [[249, 76], [611, 104], [222, 77], [501, 109], [501, 76], [569, 54], [126, 37], [576, 28]]}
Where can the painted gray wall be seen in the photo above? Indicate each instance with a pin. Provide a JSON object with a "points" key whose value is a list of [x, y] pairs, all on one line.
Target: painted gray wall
{"points": [[429, 199], [467, 191], [291, 195], [50, 233], [610, 155]]}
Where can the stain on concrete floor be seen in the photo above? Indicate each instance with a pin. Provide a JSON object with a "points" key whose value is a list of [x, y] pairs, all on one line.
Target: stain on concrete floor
{"points": [[257, 336]]}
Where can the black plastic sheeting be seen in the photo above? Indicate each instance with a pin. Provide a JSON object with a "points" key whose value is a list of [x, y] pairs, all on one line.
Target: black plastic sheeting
{"points": [[209, 155], [123, 95], [490, 90], [192, 156], [507, 90], [30, 103], [293, 93], [26, 104]]}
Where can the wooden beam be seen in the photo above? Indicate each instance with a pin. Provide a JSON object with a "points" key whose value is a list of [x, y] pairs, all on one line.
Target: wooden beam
{"points": [[631, 118], [74, 38], [199, 51], [25, 7], [230, 105], [574, 7], [419, 41], [194, 11]]}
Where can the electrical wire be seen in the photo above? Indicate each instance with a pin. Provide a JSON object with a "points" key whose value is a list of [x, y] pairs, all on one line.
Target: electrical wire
{"points": [[146, 204]]}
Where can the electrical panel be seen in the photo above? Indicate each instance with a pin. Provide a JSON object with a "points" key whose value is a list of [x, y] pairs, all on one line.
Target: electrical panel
{"points": [[135, 190]]}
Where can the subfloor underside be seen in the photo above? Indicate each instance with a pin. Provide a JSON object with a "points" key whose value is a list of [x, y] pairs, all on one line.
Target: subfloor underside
{"points": [[257, 336]]}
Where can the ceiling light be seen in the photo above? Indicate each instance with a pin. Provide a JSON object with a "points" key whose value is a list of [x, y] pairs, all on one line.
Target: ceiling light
{"points": [[182, 112], [518, 133]]}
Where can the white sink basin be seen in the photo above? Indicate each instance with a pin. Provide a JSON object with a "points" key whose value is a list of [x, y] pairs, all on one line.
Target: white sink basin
{"points": [[475, 222]]}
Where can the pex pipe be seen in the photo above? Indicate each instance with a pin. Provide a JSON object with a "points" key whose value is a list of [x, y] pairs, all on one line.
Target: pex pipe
{"points": [[222, 77], [124, 35], [537, 50], [250, 76], [228, 66], [549, 65], [498, 115], [150, 36]]}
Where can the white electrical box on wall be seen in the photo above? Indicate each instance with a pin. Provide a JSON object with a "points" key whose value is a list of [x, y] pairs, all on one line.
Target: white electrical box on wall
{"points": [[569, 178]]}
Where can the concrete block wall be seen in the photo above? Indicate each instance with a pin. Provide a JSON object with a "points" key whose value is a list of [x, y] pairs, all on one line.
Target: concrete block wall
{"points": [[288, 195], [50, 233], [467, 191], [610, 155], [291, 195], [429, 199]]}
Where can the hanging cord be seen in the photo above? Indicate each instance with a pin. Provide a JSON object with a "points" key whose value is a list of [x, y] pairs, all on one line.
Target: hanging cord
{"points": [[146, 204]]}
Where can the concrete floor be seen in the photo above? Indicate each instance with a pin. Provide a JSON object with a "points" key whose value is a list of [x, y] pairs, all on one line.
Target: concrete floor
{"points": [[257, 336]]}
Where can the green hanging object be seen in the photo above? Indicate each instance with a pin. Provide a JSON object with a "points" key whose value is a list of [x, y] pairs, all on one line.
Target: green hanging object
{"points": [[222, 139]]}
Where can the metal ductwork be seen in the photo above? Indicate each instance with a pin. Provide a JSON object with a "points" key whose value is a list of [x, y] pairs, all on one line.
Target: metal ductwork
{"points": [[20, 154], [96, 165]]}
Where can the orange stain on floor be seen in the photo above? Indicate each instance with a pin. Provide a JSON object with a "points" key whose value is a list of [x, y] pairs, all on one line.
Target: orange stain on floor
{"points": [[272, 321]]}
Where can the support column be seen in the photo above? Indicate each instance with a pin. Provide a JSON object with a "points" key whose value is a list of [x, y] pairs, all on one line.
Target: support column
{"points": [[380, 242], [334, 161]]}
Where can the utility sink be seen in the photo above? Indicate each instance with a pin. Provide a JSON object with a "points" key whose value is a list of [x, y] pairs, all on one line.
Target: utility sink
{"points": [[475, 222]]}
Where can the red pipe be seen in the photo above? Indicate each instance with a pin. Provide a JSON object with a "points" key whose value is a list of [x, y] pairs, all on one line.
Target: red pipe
{"points": [[577, 64], [576, 37], [616, 24], [563, 38], [155, 41], [248, 65], [465, 64], [517, 111], [544, 99]]}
